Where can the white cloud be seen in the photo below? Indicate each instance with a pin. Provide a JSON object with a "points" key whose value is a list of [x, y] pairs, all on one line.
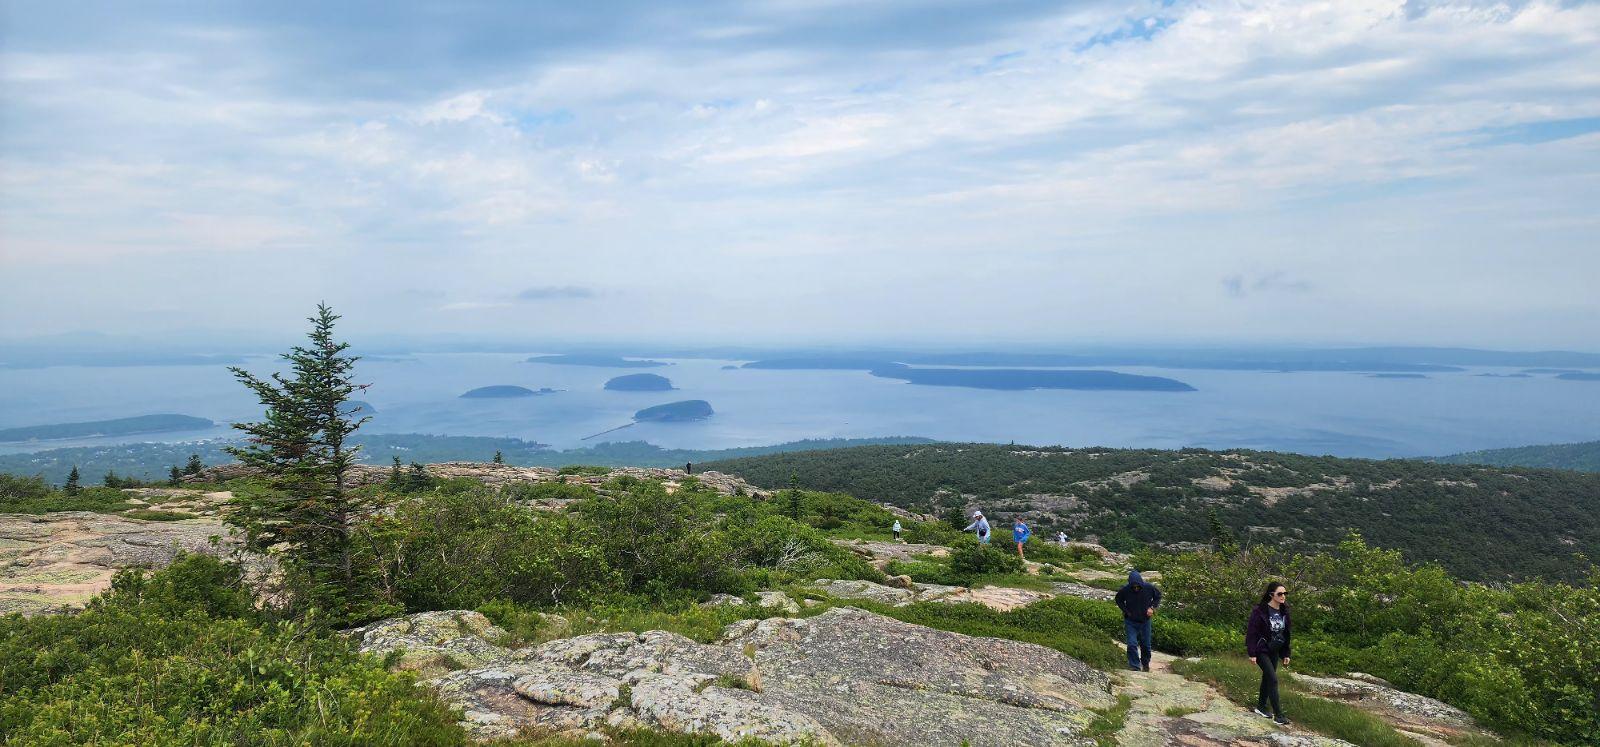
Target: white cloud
{"points": [[1045, 151]]}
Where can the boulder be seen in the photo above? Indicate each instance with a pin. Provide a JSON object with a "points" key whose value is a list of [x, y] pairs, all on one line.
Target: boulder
{"points": [[432, 643], [870, 679], [1417, 715], [843, 676]]}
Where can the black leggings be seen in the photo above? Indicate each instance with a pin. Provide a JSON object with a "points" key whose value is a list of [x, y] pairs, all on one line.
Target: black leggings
{"points": [[1269, 682]]}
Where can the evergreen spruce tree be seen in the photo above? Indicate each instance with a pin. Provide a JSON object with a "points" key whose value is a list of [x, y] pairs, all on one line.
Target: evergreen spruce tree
{"points": [[175, 477], [300, 445], [397, 481], [1221, 537], [72, 487], [498, 457], [193, 466], [111, 480]]}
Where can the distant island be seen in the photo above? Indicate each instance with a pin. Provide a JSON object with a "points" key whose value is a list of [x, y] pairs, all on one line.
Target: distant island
{"points": [[640, 383], [1020, 379], [1397, 376], [116, 427], [1556, 371], [1506, 376], [598, 361], [1579, 376], [821, 363], [503, 391], [675, 412]]}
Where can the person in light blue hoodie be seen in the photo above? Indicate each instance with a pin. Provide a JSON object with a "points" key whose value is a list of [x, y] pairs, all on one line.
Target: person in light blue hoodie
{"points": [[980, 525], [1020, 532]]}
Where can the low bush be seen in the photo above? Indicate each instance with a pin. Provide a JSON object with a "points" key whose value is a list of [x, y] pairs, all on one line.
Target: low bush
{"points": [[971, 559], [181, 657]]}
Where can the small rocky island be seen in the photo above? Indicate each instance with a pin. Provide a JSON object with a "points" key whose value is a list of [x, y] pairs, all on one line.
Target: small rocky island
{"points": [[675, 412], [503, 391], [640, 383]]}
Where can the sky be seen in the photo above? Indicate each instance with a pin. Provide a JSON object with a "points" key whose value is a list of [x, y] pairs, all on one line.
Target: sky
{"points": [[994, 173]]}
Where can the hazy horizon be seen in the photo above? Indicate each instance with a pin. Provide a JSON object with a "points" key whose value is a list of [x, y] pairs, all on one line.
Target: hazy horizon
{"points": [[977, 175]]}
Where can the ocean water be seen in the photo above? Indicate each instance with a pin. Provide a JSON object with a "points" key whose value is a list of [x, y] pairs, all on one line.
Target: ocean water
{"points": [[1344, 414]]}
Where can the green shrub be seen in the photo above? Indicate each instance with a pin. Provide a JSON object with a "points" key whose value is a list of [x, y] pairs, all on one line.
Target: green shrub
{"points": [[460, 551], [535, 492], [971, 559], [21, 496], [149, 514], [931, 533], [180, 657]]}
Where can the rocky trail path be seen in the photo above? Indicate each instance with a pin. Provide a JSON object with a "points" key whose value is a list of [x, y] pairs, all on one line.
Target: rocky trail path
{"points": [[1167, 708]]}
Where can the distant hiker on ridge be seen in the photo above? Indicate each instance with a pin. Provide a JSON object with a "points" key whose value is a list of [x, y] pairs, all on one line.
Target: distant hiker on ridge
{"points": [[1061, 538], [1266, 640], [1138, 601], [980, 525], [1020, 532], [896, 530]]}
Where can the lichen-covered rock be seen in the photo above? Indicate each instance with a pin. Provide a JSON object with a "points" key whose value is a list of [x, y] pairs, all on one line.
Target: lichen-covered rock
{"points": [[849, 589], [777, 600], [1423, 717], [680, 704], [871, 679], [432, 643], [58, 561]]}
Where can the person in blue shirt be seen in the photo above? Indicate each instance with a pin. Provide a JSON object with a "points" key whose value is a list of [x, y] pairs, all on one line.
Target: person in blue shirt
{"points": [[1020, 532], [979, 525]]}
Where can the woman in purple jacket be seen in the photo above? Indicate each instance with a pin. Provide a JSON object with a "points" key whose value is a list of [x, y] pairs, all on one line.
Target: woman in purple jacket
{"points": [[1266, 640]]}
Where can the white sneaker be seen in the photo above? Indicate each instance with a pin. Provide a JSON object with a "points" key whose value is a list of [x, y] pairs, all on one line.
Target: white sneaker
{"points": [[1261, 713]]}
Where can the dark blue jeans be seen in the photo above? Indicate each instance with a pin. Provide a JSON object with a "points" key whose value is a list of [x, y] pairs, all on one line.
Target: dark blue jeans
{"points": [[1138, 637]]}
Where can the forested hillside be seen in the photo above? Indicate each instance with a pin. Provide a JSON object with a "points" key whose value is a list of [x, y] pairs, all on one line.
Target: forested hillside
{"points": [[1482, 523], [1584, 457]]}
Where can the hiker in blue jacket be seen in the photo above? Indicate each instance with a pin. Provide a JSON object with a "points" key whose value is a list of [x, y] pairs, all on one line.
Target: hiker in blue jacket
{"points": [[1138, 601], [1266, 640], [980, 525], [1020, 532]]}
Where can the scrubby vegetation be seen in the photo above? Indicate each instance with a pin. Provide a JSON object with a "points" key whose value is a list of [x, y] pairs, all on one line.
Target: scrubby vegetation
{"points": [[1480, 523], [183, 657]]}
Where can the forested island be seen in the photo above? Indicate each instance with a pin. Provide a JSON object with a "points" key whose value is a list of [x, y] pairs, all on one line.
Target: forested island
{"points": [[503, 391], [165, 423], [1020, 379], [598, 361], [675, 412], [1397, 376], [640, 383], [1584, 457]]}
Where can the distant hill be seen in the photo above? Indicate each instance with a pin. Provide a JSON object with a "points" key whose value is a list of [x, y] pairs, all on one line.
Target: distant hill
{"points": [[1584, 457], [116, 427], [598, 361], [1479, 522], [675, 412], [640, 383]]}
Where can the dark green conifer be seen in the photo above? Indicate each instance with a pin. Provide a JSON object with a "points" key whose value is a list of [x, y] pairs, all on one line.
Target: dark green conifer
{"points": [[498, 457], [193, 466], [175, 477], [72, 487], [301, 446]]}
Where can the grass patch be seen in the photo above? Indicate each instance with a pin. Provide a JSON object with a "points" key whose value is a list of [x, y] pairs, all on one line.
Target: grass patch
{"points": [[149, 514], [1179, 711], [1240, 681], [1108, 721], [96, 499]]}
